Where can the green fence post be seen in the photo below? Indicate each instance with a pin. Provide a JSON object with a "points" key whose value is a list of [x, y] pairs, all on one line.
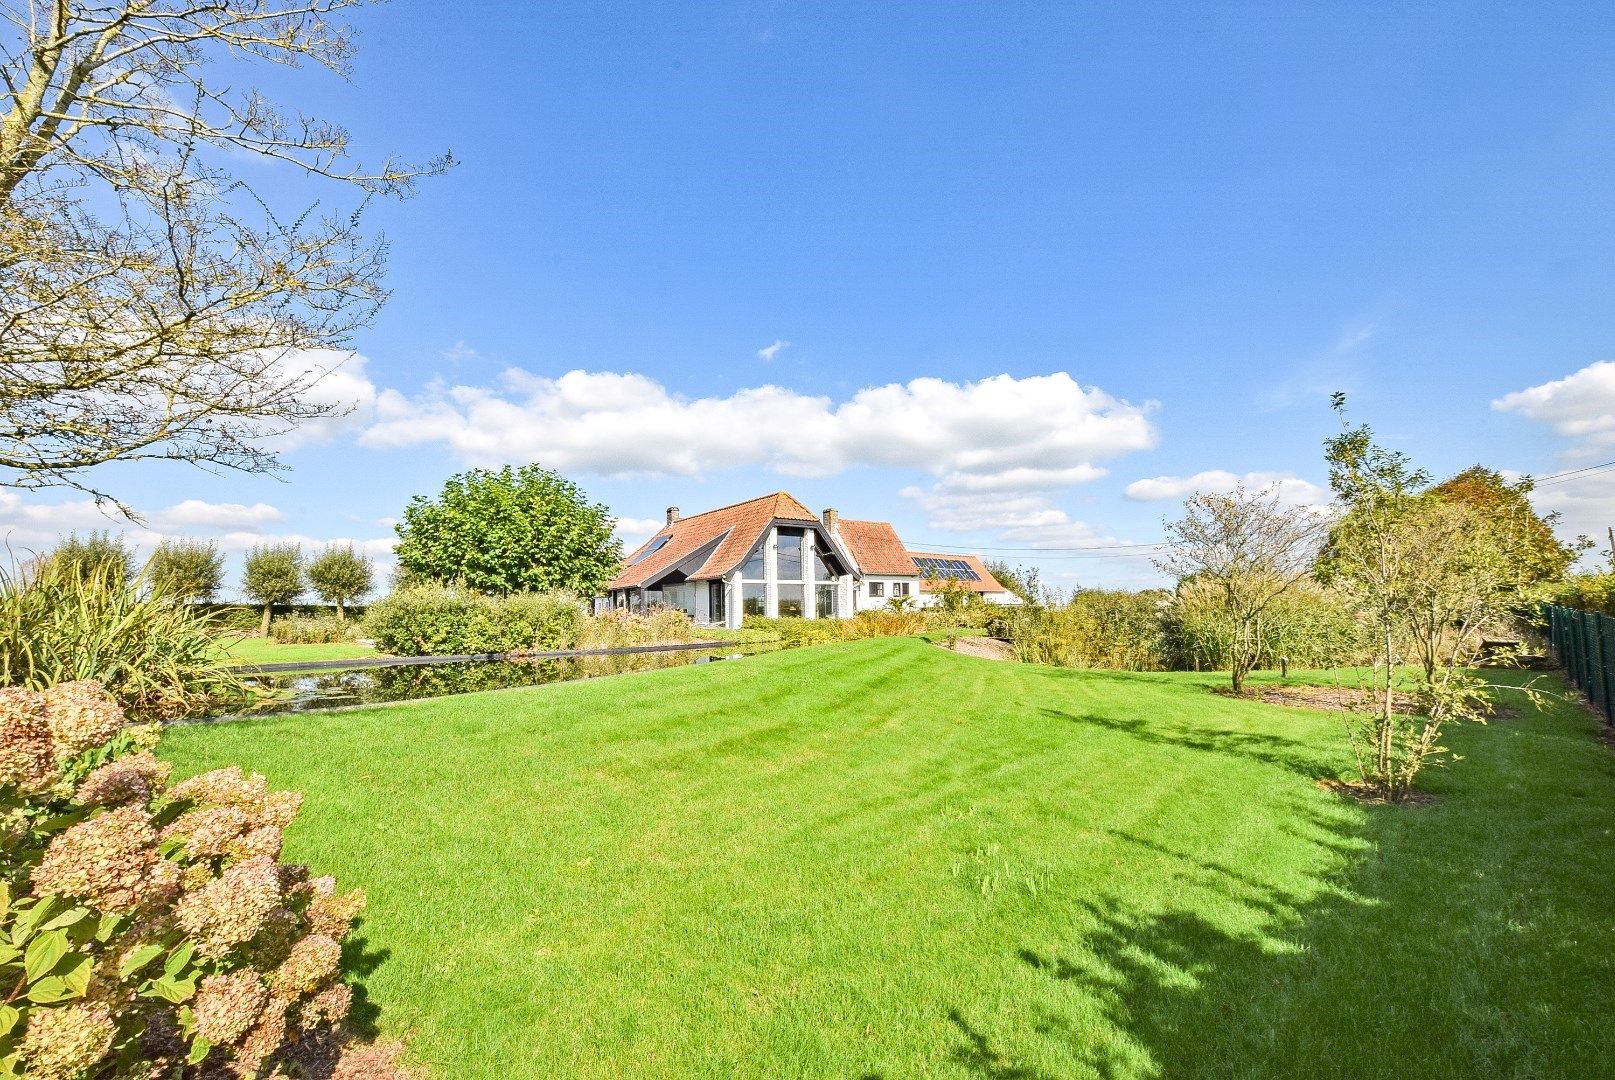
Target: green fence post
{"points": [[1598, 690], [1606, 662]]}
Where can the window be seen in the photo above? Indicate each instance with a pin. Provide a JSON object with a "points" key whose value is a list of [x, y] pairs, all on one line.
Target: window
{"points": [[789, 564], [877, 589], [946, 569], [650, 549], [715, 611], [899, 588], [790, 601], [754, 566], [823, 569], [826, 601], [754, 599]]}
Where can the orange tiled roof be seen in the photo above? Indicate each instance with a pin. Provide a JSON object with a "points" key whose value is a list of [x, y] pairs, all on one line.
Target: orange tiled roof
{"points": [[736, 527], [985, 582], [875, 547]]}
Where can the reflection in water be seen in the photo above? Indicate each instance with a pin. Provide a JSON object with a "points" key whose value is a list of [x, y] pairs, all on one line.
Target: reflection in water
{"points": [[299, 691]]}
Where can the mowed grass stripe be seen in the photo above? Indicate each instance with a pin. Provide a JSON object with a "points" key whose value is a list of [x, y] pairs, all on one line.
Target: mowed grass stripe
{"points": [[881, 859]]}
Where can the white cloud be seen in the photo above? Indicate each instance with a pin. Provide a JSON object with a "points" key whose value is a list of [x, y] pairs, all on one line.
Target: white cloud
{"points": [[1580, 406], [634, 531], [1292, 489], [1585, 504], [1000, 433], [334, 377], [767, 353], [194, 513]]}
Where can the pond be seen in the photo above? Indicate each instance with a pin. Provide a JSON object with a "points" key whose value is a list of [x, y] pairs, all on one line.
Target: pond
{"points": [[302, 691]]}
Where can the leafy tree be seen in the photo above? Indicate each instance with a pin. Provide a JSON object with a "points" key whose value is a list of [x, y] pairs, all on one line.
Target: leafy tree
{"points": [[340, 576], [154, 305], [1246, 550], [273, 575], [188, 570], [514, 530], [1535, 556], [96, 555], [1024, 581], [1428, 577]]}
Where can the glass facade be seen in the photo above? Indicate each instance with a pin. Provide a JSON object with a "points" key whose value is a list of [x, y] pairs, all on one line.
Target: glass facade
{"points": [[754, 598], [790, 555], [754, 566], [715, 612], [790, 601], [826, 601]]}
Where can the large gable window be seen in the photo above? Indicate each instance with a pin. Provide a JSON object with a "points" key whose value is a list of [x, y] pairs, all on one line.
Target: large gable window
{"points": [[753, 568], [790, 554]]}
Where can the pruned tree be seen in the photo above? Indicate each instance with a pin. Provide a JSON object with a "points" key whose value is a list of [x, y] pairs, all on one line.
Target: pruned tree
{"points": [[1246, 549], [97, 556], [1024, 581], [154, 306], [273, 574], [340, 576], [188, 570]]}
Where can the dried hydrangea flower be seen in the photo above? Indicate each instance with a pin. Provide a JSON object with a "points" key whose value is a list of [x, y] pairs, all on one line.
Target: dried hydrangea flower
{"points": [[227, 1006], [223, 787], [262, 1041], [312, 962], [279, 808], [264, 841], [110, 861], [27, 756], [231, 908], [333, 915], [208, 832], [329, 1006], [61, 1043], [376, 1061], [131, 778], [82, 716]]}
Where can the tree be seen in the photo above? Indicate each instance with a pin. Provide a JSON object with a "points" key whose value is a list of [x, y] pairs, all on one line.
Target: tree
{"points": [[1023, 581], [1246, 550], [514, 530], [154, 306], [340, 576], [273, 575], [92, 556], [1535, 556], [1427, 575], [188, 570]]}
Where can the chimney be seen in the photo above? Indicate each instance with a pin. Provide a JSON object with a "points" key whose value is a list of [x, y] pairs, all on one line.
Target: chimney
{"points": [[831, 516], [672, 514]]}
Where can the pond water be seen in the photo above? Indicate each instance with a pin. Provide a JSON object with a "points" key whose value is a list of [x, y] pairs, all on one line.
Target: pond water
{"points": [[301, 691]]}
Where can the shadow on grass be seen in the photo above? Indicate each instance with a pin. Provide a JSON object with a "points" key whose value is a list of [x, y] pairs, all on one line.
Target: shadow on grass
{"points": [[359, 960], [1466, 939], [1276, 750]]}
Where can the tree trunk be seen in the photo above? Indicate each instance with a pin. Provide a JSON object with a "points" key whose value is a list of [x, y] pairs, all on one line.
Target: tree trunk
{"points": [[341, 616], [263, 626]]}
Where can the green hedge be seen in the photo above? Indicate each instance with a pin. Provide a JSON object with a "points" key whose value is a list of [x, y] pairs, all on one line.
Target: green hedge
{"points": [[431, 620]]}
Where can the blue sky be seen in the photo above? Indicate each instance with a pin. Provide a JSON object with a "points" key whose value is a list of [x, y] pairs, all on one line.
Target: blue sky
{"points": [[1015, 260]]}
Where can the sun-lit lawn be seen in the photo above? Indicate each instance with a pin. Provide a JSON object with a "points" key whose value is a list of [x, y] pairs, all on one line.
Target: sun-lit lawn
{"points": [[880, 859], [257, 650]]}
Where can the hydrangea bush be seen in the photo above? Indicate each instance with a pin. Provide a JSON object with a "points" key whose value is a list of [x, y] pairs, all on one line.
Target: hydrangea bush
{"points": [[149, 930]]}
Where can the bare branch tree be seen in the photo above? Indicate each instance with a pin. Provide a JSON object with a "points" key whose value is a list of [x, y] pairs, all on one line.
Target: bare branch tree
{"points": [[1247, 549], [151, 304]]}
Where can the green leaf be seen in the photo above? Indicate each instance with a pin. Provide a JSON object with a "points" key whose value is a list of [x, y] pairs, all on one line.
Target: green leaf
{"points": [[8, 1019], [199, 1050], [138, 959], [43, 952], [23, 928], [75, 972], [172, 990], [49, 989], [178, 958], [107, 926], [66, 918], [9, 954], [5, 898]]}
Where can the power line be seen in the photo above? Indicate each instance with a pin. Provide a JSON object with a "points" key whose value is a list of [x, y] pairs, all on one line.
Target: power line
{"points": [[973, 548], [1572, 474]]}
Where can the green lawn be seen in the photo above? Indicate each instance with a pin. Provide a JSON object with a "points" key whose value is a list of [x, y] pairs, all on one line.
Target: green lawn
{"points": [[257, 650], [881, 859]]}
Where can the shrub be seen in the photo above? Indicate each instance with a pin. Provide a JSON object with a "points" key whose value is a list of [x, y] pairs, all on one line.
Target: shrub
{"points": [[866, 624], [621, 629], [1588, 592], [151, 930], [427, 620], [1097, 628], [310, 629], [1309, 625], [100, 554], [155, 655]]}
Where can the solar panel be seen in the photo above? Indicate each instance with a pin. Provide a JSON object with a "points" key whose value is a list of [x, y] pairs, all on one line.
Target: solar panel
{"points": [[946, 569], [656, 545]]}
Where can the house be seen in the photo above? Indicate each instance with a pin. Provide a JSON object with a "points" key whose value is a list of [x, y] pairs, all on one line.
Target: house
{"points": [[773, 556]]}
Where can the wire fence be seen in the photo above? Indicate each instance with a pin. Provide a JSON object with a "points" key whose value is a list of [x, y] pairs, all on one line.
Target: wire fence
{"points": [[1584, 642]]}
